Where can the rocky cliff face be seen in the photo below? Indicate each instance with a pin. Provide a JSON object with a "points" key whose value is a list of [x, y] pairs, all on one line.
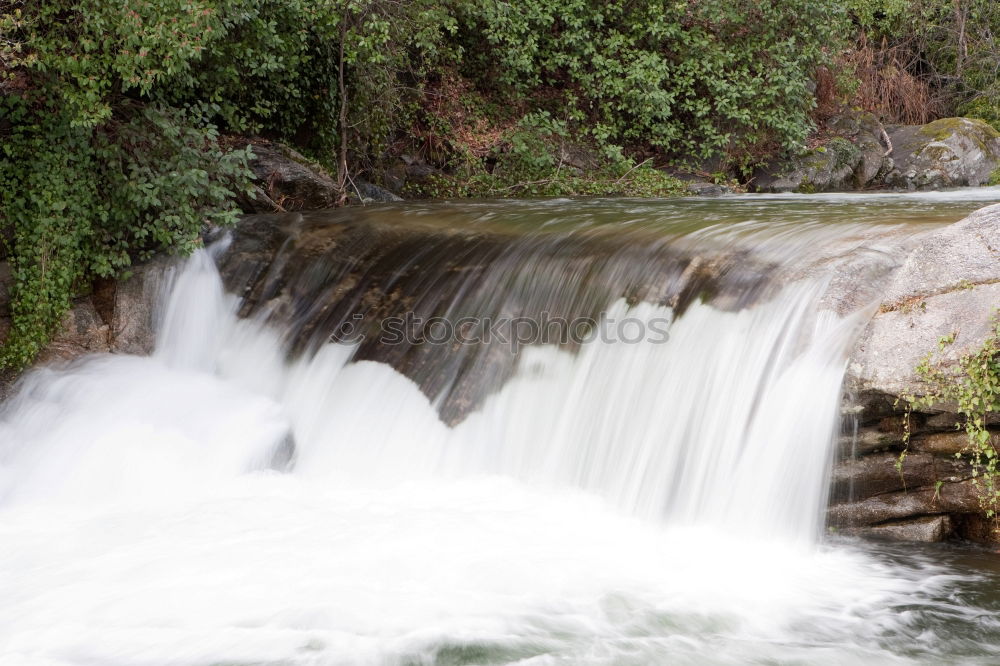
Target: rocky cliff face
{"points": [[948, 286]]}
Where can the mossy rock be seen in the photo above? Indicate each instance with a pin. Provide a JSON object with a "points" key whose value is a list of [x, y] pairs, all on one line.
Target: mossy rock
{"points": [[950, 152], [829, 168]]}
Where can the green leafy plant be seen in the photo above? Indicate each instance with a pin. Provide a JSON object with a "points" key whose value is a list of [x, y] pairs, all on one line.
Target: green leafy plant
{"points": [[973, 384], [110, 119], [692, 78]]}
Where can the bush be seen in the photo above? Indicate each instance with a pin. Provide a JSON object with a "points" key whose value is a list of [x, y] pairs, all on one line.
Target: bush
{"points": [[109, 135], [688, 78], [946, 46]]}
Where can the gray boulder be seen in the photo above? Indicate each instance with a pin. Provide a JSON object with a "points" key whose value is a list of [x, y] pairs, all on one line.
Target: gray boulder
{"points": [[823, 169], [370, 193], [950, 152], [854, 158], [287, 180], [949, 284], [133, 303]]}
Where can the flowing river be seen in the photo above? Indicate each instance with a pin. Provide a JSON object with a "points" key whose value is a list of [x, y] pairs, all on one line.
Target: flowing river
{"points": [[645, 486]]}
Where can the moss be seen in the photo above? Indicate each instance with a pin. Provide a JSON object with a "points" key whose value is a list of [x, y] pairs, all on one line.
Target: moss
{"points": [[845, 153], [939, 130], [994, 177], [938, 153]]}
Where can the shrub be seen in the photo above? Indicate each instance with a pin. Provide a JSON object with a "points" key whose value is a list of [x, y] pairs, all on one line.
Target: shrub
{"points": [[110, 112], [689, 78]]}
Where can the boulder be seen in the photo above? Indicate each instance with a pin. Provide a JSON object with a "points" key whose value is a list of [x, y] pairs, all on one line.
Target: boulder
{"points": [[958, 498], [887, 472], [81, 332], [374, 194], [949, 284], [950, 152], [118, 316], [928, 529], [823, 169], [704, 188], [287, 180], [133, 303], [854, 158]]}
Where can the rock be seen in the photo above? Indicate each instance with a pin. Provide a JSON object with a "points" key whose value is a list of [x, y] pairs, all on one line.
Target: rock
{"points": [[311, 273], [375, 194], [394, 178], [134, 301], [419, 171], [950, 284], [853, 159], [959, 498], [81, 332], [881, 473], [703, 188], [824, 169], [940, 443], [951, 152], [949, 421], [289, 181], [928, 529], [869, 441], [282, 458]]}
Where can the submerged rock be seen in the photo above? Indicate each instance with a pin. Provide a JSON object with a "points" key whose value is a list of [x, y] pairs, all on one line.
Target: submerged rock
{"points": [[284, 454]]}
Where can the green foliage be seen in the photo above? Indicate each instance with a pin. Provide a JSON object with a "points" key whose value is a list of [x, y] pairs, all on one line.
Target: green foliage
{"points": [[79, 202], [690, 78], [642, 182], [984, 109], [109, 117], [530, 161], [949, 44], [994, 177], [974, 385]]}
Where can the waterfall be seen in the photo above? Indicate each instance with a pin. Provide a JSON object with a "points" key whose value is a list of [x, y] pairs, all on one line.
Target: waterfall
{"points": [[547, 490]]}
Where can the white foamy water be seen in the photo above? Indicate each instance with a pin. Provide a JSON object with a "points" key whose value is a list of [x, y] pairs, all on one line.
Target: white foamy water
{"points": [[631, 504]]}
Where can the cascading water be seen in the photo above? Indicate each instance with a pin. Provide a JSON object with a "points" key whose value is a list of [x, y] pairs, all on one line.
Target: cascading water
{"points": [[651, 492]]}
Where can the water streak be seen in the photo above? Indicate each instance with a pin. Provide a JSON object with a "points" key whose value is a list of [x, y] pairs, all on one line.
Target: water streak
{"points": [[609, 503]]}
